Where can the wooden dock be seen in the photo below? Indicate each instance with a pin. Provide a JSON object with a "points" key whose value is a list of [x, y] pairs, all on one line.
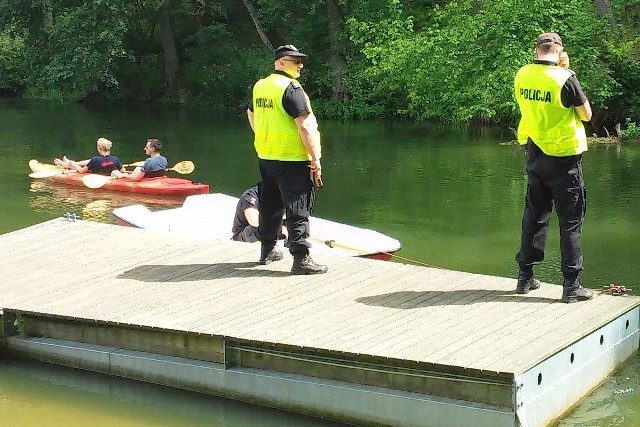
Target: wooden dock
{"points": [[370, 342]]}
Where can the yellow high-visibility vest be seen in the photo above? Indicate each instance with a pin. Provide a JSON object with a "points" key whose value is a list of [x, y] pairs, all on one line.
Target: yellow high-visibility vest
{"points": [[557, 130], [276, 133]]}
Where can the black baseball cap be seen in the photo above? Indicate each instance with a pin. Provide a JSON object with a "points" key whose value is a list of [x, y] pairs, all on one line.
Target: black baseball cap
{"points": [[288, 50]]}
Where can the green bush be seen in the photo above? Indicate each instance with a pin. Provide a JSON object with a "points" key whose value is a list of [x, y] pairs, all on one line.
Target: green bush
{"points": [[75, 56], [631, 132], [462, 67], [141, 79], [11, 56], [217, 73]]}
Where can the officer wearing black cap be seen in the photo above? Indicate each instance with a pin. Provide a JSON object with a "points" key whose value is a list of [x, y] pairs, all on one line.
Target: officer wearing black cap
{"points": [[553, 107], [287, 141]]}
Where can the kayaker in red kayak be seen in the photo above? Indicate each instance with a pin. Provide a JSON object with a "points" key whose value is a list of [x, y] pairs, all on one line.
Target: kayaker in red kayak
{"points": [[156, 165], [103, 164]]}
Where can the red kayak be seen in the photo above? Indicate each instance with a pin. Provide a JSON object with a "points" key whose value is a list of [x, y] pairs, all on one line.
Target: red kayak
{"points": [[161, 185]]}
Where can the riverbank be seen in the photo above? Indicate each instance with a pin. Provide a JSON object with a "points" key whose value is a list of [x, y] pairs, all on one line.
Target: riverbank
{"points": [[591, 140]]}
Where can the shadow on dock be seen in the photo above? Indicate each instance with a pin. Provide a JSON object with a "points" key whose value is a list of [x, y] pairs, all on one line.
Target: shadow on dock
{"points": [[421, 299], [191, 272]]}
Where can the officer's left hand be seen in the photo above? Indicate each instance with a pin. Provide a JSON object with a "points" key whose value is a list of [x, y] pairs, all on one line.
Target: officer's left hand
{"points": [[315, 173]]}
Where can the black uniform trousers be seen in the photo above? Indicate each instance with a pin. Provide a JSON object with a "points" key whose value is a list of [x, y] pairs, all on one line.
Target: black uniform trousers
{"points": [[286, 188], [553, 180]]}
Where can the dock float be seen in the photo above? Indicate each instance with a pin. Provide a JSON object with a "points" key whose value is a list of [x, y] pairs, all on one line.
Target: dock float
{"points": [[370, 342]]}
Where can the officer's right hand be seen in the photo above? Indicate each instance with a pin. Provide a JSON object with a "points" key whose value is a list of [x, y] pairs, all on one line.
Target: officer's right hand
{"points": [[564, 60]]}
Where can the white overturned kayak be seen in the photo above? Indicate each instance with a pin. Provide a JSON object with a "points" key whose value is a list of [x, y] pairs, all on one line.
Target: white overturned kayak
{"points": [[210, 216]]}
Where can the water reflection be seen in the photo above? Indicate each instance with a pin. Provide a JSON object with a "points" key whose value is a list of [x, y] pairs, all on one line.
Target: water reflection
{"points": [[614, 403], [38, 394], [90, 205]]}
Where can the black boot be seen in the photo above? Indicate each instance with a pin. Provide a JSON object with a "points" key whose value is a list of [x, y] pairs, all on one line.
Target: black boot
{"points": [[572, 291], [526, 284], [269, 253], [303, 264]]}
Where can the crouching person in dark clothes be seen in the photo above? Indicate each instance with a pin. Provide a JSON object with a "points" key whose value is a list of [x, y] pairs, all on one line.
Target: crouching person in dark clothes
{"points": [[287, 142], [246, 220]]}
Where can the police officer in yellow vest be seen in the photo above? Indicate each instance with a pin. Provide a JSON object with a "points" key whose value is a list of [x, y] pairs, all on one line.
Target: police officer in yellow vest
{"points": [[287, 142], [553, 107]]}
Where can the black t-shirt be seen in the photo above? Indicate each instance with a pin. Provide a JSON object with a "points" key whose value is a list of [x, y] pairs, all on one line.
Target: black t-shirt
{"points": [[104, 165], [294, 100], [571, 94], [249, 199]]}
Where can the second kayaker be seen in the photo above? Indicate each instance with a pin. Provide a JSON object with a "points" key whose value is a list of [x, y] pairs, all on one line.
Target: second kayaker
{"points": [[156, 165]]}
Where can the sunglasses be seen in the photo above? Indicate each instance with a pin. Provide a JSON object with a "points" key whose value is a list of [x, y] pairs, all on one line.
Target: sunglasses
{"points": [[295, 61]]}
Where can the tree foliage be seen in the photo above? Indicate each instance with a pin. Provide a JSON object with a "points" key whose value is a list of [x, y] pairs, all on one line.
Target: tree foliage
{"points": [[462, 67], [69, 52], [11, 51], [422, 59]]}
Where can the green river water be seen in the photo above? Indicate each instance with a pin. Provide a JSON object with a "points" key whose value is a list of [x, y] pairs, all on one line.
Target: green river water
{"points": [[454, 199]]}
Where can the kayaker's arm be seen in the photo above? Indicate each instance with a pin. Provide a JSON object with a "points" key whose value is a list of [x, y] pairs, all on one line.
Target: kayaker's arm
{"points": [[137, 174], [120, 173]]}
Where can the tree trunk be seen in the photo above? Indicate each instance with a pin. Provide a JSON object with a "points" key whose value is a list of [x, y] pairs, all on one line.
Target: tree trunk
{"points": [[603, 8], [254, 17], [47, 13], [337, 52], [168, 44], [198, 13]]}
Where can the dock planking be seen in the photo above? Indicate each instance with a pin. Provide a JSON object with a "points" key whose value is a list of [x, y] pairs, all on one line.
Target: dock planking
{"points": [[362, 311]]}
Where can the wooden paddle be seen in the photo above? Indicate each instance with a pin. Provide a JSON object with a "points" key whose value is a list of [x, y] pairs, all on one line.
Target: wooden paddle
{"points": [[54, 172], [334, 244], [96, 181], [49, 174], [135, 165]]}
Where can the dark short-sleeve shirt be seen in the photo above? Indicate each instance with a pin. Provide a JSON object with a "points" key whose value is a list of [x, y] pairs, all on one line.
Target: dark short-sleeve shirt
{"points": [[294, 100], [104, 165], [155, 166], [572, 94], [249, 199]]}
